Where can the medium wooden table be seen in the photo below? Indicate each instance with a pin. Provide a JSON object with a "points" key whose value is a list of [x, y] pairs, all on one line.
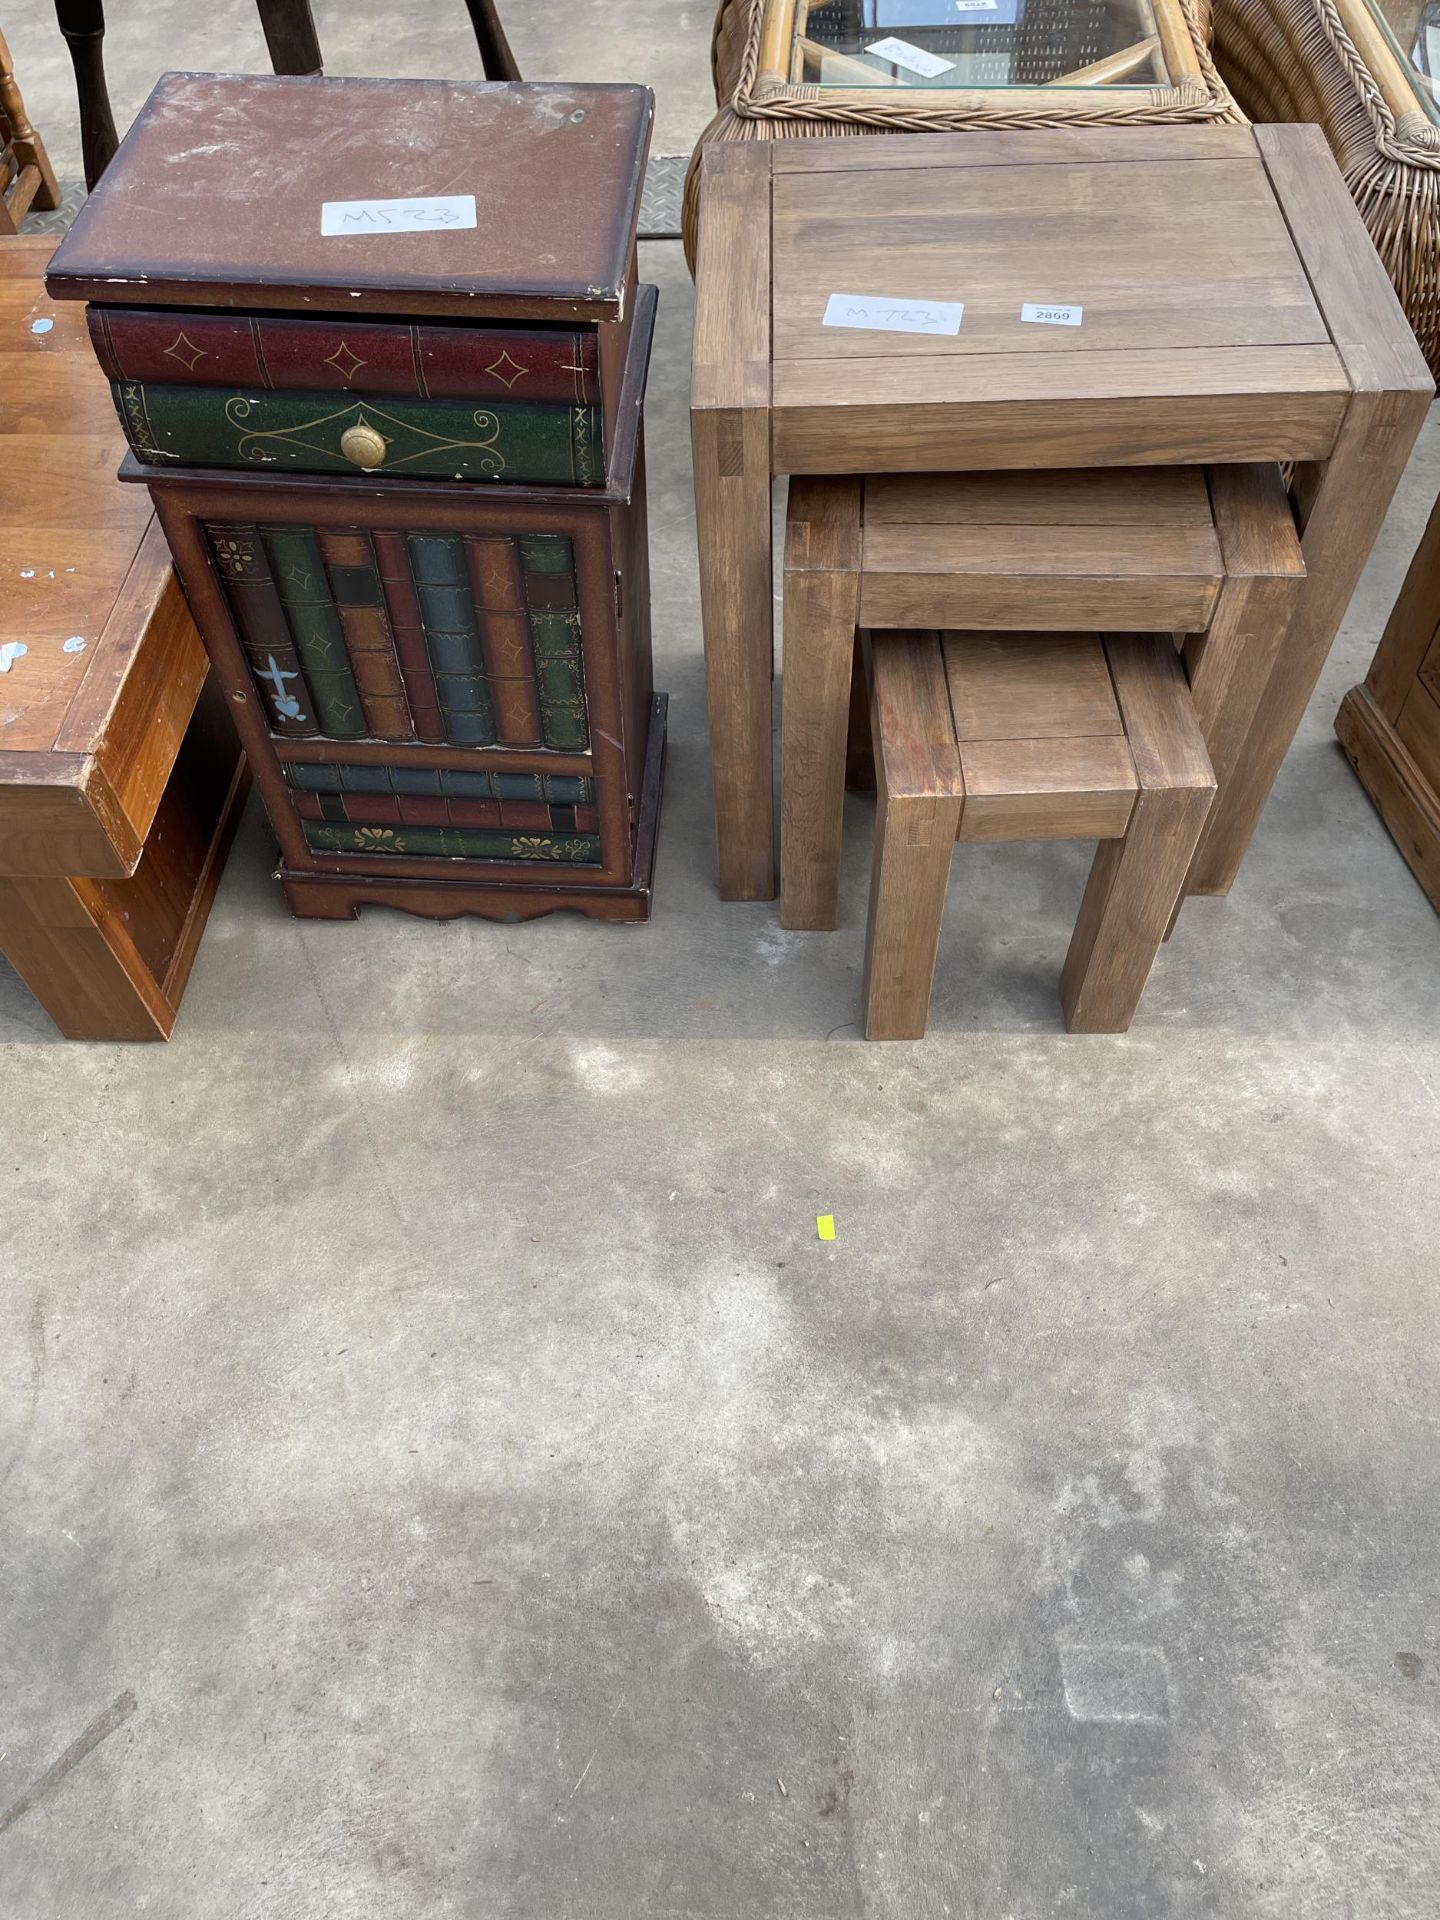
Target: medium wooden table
{"points": [[121, 780], [1232, 309]]}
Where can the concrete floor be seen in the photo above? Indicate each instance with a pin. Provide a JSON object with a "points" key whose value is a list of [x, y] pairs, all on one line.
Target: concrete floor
{"points": [[442, 1474]]}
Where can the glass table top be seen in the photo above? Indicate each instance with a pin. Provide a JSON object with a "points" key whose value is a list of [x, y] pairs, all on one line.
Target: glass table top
{"points": [[939, 44], [1413, 30]]}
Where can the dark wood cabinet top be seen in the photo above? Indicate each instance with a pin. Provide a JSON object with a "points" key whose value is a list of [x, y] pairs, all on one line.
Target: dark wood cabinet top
{"points": [[216, 198]]}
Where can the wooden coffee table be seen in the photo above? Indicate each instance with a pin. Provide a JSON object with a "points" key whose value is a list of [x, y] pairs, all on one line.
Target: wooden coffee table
{"points": [[121, 780], [1231, 308]]}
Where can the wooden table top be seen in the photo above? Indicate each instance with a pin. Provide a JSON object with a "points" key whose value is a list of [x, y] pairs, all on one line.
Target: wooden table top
{"points": [[556, 172], [103, 665], [1201, 333]]}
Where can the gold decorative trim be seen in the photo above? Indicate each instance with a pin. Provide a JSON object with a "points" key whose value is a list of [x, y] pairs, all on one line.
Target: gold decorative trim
{"points": [[255, 443]]}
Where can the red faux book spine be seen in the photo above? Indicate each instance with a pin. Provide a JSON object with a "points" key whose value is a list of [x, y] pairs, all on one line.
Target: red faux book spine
{"points": [[495, 583], [323, 356], [393, 564]]}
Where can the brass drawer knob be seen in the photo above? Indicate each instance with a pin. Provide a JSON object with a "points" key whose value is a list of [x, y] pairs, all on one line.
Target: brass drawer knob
{"points": [[363, 445]]}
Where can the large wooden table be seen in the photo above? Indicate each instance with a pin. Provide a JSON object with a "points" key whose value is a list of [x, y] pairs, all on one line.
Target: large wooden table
{"points": [[1233, 310], [121, 780]]}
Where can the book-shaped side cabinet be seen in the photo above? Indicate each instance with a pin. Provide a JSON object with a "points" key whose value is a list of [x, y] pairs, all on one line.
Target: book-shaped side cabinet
{"points": [[445, 690]]}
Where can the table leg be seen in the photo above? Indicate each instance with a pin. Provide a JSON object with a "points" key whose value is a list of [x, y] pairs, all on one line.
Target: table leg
{"points": [[1135, 883], [920, 793], [821, 602], [1230, 664], [730, 438], [1343, 503], [732, 517]]}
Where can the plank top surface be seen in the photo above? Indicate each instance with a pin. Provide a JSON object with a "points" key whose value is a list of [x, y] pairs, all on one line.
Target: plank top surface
{"points": [[1173, 243], [1029, 686], [1077, 497], [69, 532]]}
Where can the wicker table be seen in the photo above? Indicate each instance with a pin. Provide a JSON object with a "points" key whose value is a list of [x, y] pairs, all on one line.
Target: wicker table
{"points": [[787, 68], [1189, 350]]}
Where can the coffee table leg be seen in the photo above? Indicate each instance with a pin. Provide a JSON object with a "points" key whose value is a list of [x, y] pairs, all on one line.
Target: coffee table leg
{"points": [[1342, 505]]}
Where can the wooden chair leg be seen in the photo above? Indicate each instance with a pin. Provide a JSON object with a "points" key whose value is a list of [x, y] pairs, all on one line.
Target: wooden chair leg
{"points": [[1135, 883], [821, 597], [496, 59], [290, 36], [26, 144], [920, 798], [82, 22]]}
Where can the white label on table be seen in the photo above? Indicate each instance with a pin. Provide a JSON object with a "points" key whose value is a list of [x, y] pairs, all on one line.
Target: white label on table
{"points": [[1045, 315], [883, 314], [398, 216], [900, 53]]}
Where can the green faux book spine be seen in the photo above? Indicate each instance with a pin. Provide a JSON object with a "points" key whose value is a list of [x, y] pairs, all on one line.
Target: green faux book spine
{"points": [[550, 599], [304, 591], [452, 638], [530, 442]]}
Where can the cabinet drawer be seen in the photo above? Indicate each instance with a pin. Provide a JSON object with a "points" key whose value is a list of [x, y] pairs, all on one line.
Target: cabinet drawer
{"points": [[475, 402], [525, 443]]}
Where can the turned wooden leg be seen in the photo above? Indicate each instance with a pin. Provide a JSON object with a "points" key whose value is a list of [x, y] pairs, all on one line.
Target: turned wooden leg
{"points": [[43, 190], [290, 37], [1135, 883], [820, 602], [920, 795], [496, 60], [82, 22]]}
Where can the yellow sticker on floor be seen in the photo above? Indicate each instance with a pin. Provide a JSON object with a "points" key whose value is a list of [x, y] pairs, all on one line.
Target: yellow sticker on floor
{"points": [[825, 1225]]}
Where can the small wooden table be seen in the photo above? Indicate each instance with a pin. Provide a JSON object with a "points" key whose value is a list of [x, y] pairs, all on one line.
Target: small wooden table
{"points": [[1232, 309], [121, 780]]}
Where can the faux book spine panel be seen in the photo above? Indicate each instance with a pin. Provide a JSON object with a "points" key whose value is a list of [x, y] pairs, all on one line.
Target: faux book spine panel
{"points": [[304, 591], [452, 639], [536, 443], [398, 585], [473, 640], [264, 631], [550, 601], [359, 603], [446, 812], [147, 345], [456, 843], [498, 586]]}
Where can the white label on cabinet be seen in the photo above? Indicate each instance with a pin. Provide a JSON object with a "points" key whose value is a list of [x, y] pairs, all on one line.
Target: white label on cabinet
{"points": [[1045, 315], [882, 314], [976, 6], [900, 53], [398, 216]]}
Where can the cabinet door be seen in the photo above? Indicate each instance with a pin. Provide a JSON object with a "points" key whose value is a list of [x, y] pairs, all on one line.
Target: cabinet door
{"points": [[427, 684], [1419, 722]]}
